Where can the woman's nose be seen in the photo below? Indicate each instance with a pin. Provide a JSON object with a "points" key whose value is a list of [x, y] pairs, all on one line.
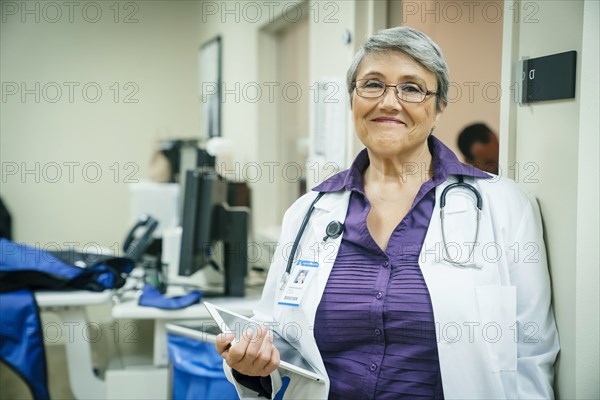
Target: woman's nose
{"points": [[389, 99]]}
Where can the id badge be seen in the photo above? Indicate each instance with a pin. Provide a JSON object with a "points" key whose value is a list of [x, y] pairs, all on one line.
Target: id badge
{"points": [[296, 286]]}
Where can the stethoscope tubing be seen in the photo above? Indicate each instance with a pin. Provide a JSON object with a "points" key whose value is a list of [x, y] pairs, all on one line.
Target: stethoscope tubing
{"points": [[478, 204], [455, 185], [290, 262]]}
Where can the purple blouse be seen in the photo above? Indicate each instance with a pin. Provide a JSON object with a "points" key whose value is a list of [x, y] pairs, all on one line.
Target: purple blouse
{"points": [[374, 325]]}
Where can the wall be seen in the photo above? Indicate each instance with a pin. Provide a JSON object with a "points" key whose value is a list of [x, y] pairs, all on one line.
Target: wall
{"points": [[330, 56], [248, 120], [588, 226], [150, 53], [470, 36], [556, 159], [247, 88]]}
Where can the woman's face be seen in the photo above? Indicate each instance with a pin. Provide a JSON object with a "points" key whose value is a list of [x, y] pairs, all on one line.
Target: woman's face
{"points": [[385, 125]]}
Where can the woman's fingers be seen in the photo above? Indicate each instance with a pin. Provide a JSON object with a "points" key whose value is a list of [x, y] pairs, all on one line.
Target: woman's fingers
{"points": [[240, 350], [253, 354], [263, 353], [269, 356], [224, 342]]}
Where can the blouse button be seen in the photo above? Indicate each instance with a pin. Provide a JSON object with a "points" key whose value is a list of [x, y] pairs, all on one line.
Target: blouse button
{"points": [[377, 331], [386, 263], [373, 367], [379, 295]]}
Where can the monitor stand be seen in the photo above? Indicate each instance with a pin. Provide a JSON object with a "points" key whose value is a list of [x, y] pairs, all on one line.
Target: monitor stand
{"points": [[232, 229]]}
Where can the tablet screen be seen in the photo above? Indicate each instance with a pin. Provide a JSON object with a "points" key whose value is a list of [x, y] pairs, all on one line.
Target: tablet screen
{"points": [[290, 357]]}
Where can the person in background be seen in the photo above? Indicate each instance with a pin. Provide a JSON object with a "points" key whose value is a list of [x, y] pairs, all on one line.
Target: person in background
{"points": [[479, 144], [5, 222], [407, 302]]}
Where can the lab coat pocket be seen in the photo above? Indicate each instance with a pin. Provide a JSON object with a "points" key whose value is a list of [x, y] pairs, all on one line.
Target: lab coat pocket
{"points": [[498, 307]]}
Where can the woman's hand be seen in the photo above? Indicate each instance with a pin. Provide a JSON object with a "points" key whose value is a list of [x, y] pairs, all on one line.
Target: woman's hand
{"points": [[253, 355]]}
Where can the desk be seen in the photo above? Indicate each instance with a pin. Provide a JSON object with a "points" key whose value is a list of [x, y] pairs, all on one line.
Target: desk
{"points": [[123, 379], [70, 308], [131, 310], [152, 380]]}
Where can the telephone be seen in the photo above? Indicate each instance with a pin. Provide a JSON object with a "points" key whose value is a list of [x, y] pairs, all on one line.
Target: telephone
{"points": [[136, 243]]}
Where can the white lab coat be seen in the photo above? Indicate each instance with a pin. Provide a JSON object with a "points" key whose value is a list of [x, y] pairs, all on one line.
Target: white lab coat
{"points": [[482, 353]]}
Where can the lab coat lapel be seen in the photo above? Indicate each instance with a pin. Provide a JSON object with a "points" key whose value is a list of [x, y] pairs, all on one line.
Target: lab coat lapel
{"points": [[331, 207], [491, 252]]}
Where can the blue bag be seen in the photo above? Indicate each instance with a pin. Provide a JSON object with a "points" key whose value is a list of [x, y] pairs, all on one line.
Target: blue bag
{"points": [[198, 370], [24, 269], [32, 268]]}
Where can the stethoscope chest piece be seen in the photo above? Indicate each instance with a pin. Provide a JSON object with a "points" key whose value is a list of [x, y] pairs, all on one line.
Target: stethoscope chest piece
{"points": [[334, 230]]}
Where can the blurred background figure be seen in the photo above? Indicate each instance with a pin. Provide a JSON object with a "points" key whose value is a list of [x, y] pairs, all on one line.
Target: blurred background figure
{"points": [[5, 222], [479, 145]]}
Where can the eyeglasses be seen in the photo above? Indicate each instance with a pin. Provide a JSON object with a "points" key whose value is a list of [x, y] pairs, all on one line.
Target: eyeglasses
{"points": [[409, 92]]}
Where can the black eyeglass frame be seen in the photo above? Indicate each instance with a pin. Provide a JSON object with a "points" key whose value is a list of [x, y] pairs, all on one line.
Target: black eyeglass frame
{"points": [[425, 94]]}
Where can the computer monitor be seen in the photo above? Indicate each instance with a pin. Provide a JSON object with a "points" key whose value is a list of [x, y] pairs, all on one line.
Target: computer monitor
{"points": [[214, 235], [190, 157]]}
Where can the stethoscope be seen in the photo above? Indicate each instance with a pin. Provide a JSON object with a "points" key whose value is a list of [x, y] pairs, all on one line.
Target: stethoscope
{"points": [[335, 228], [478, 205]]}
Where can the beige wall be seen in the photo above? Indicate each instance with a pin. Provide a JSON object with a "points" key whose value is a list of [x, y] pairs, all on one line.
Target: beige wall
{"points": [[250, 53], [152, 60], [587, 300], [555, 157], [470, 35]]}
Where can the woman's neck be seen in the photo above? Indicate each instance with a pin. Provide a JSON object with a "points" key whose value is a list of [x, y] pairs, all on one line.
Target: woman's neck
{"points": [[408, 169]]}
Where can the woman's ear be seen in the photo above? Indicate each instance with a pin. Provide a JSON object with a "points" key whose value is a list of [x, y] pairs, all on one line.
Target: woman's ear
{"points": [[438, 114]]}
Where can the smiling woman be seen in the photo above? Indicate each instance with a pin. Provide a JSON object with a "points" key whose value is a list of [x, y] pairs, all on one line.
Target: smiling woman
{"points": [[383, 313], [378, 118]]}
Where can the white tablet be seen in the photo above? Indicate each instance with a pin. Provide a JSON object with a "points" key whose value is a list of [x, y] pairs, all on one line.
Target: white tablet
{"points": [[290, 358]]}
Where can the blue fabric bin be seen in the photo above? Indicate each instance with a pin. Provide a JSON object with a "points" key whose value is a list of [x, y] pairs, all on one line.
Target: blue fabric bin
{"points": [[197, 371]]}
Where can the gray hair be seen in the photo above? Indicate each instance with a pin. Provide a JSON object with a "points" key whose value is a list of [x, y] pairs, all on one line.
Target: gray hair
{"points": [[414, 44]]}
